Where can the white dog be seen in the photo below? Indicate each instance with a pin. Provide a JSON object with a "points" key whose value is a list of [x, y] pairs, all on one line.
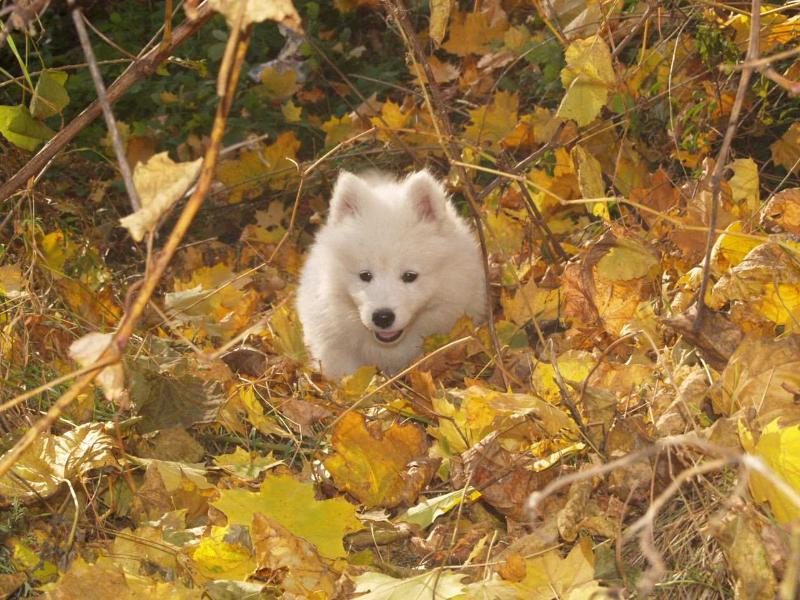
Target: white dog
{"points": [[393, 263]]}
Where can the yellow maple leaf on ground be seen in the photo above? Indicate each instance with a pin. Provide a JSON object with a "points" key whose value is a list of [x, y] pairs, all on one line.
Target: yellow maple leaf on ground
{"points": [[472, 33], [295, 563], [546, 577], [491, 123], [373, 465], [786, 151], [269, 167], [779, 448], [224, 554], [292, 504], [340, 129]]}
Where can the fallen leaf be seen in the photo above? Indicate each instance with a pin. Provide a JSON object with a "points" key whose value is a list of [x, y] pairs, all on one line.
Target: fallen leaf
{"points": [[378, 467], [160, 182], [588, 77], [779, 447], [432, 585], [291, 503]]}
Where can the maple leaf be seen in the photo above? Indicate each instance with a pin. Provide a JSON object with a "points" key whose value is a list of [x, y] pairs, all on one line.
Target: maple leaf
{"points": [[374, 466], [271, 165], [428, 586], [292, 504], [786, 151], [302, 573], [491, 123], [473, 33]]}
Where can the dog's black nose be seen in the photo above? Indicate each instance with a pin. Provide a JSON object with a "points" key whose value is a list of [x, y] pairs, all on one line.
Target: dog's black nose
{"points": [[383, 318]]}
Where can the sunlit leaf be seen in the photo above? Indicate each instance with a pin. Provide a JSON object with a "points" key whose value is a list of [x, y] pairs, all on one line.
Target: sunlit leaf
{"points": [[20, 128], [292, 504], [779, 448], [373, 465], [50, 97]]}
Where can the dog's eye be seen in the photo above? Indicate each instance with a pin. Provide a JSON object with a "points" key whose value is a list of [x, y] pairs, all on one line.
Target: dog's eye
{"points": [[365, 276], [409, 276]]}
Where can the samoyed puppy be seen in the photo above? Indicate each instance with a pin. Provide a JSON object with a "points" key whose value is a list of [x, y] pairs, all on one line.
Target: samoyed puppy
{"points": [[393, 263]]}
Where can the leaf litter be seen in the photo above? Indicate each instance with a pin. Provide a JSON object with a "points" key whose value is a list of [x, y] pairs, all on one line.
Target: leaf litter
{"points": [[215, 462]]}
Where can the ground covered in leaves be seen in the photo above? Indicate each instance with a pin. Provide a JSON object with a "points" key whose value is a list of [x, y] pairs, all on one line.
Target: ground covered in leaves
{"points": [[600, 439]]}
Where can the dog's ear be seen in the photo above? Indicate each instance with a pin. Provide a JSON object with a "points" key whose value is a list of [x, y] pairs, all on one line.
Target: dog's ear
{"points": [[427, 196], [348, 194]]}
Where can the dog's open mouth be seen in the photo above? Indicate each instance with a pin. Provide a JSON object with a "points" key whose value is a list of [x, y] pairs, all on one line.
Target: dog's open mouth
{"points": [[387, 337]]}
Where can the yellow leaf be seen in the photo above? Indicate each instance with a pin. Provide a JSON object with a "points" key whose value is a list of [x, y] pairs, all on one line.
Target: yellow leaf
{"points": [[270, 166], [51, 459], [547, 577], [292, 504], [57, 249], [432, 585], [440, 14], [339, 129], [779, 448], [490, 124], [627, 260], [783, 210], [786, 151], [10, 281], [391, 119], [244, 464], [277, 86], [372, 465], [213, 301], [294, 561], [255, 412], [288, 334], [730, 249], [762, 375], [472, 414], [291, 112], [530, 302], [744, 183], [574, 365], [472, 33], [590, 181], [505, 233], [281, 11], [221, 556], [588, 76], [160, 182]]}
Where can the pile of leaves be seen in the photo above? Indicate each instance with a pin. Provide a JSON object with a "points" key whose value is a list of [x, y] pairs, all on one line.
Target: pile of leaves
{"points": [[627, 422]]}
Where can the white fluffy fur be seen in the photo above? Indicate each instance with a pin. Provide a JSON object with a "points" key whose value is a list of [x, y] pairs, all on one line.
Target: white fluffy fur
{"points": [[387, 227]]}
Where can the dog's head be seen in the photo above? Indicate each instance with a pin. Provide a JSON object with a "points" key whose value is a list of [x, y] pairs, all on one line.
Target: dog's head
{"points": [[391, 240]]}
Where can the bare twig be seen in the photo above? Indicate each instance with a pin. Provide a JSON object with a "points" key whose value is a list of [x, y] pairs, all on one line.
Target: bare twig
{"points": [[149, 284], [141, 68], [441, 122], [722, 157], [102, 98]]}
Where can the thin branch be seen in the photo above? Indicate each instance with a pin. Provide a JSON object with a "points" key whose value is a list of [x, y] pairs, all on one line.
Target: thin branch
{"points": [[102, 97], [722, 157], [136, 71], [151, 281]]}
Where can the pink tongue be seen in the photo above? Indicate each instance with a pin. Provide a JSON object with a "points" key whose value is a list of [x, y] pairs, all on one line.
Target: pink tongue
{"points": [[386, 335]]}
